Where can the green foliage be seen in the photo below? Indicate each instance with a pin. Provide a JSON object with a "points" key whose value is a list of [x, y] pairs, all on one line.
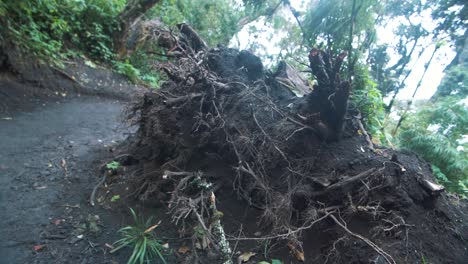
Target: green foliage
{"points": [[273, 261], [114, 165], [328, 23], [215, 21], [135, 75], [140, 237], [368, 99], [455, 83], [423, 260], [128, 70], [437, 132], [452, 17], [45, 28], [115, 198], [145, 63]]}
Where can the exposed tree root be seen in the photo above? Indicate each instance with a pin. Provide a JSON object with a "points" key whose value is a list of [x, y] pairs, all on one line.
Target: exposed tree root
{"points": [[219, 123]]}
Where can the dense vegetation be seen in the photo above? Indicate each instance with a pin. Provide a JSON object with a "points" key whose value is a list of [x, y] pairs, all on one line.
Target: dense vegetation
{"points": [[56, 30]]}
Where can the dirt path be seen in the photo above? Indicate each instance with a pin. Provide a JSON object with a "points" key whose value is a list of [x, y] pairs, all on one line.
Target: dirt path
{"points": [[50, 151]]}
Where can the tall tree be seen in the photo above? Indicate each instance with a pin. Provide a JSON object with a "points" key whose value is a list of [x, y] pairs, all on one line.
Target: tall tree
{"points": [[134, 10]]}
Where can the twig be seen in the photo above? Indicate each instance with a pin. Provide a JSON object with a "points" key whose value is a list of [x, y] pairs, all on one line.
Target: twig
{"points": [[237, 241], [271, 140], [181, 99], [350, 180], [370, 145], [290, 232], [93, 194], [380, 251]]}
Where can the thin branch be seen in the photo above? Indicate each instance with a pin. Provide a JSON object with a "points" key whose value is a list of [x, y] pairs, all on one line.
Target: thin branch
{"points": [[380, 251]]}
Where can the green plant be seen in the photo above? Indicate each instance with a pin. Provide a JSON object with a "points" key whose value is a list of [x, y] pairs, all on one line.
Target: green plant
{"points": [[273, 261], [127, 69], [113, 165], [436, 131], [46, 29], [115, 198], [423, 260], [368, 100], [141, 238]]}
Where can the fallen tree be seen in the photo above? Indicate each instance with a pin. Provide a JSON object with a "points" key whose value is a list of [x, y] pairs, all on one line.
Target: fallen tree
{"points": [[306, 164]]}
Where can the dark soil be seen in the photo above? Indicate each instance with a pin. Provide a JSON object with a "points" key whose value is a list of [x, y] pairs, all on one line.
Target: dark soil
{"points": [[275, 169]]}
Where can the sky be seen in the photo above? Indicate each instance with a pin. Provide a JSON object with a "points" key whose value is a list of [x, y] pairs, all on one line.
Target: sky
{"points": [[268, 37]]}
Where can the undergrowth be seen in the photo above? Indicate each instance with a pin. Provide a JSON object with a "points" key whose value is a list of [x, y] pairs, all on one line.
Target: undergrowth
{"points": [[141, 237], [46, 29]]}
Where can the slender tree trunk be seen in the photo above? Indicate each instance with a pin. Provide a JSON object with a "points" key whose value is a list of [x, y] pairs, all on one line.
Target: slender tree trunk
{"points": [[408, 106], [134, 10], [248, 19], [350, 43], [305, 37], [460, 58], [401, 85]]}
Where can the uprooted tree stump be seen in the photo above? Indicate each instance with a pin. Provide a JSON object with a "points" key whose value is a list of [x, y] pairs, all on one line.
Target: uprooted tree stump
{"points": [[303, 163]]}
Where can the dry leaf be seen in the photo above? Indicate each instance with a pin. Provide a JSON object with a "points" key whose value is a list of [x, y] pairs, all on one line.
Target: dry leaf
{"points": [[245, 257], [109, 246], [183, 250], [39, 247], [212, 198], [298, 254], [151, 228]]}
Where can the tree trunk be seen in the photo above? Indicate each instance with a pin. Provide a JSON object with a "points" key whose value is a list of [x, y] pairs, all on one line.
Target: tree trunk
{"points": [[461, 58], [403, 116], [134, 10], [329, 98], [350, 43]]}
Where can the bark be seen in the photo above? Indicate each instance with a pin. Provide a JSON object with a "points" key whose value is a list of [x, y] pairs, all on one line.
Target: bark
{"points": [[330, 96], [196, 42], [401, 85], [289, 77], [354, 13], [133, 11]]}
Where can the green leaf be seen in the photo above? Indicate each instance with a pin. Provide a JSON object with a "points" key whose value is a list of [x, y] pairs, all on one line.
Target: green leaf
{"points": [[115, 198], [113, 165]]}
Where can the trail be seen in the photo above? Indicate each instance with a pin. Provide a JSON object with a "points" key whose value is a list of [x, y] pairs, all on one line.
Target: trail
{"points": [[50, 149]]}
